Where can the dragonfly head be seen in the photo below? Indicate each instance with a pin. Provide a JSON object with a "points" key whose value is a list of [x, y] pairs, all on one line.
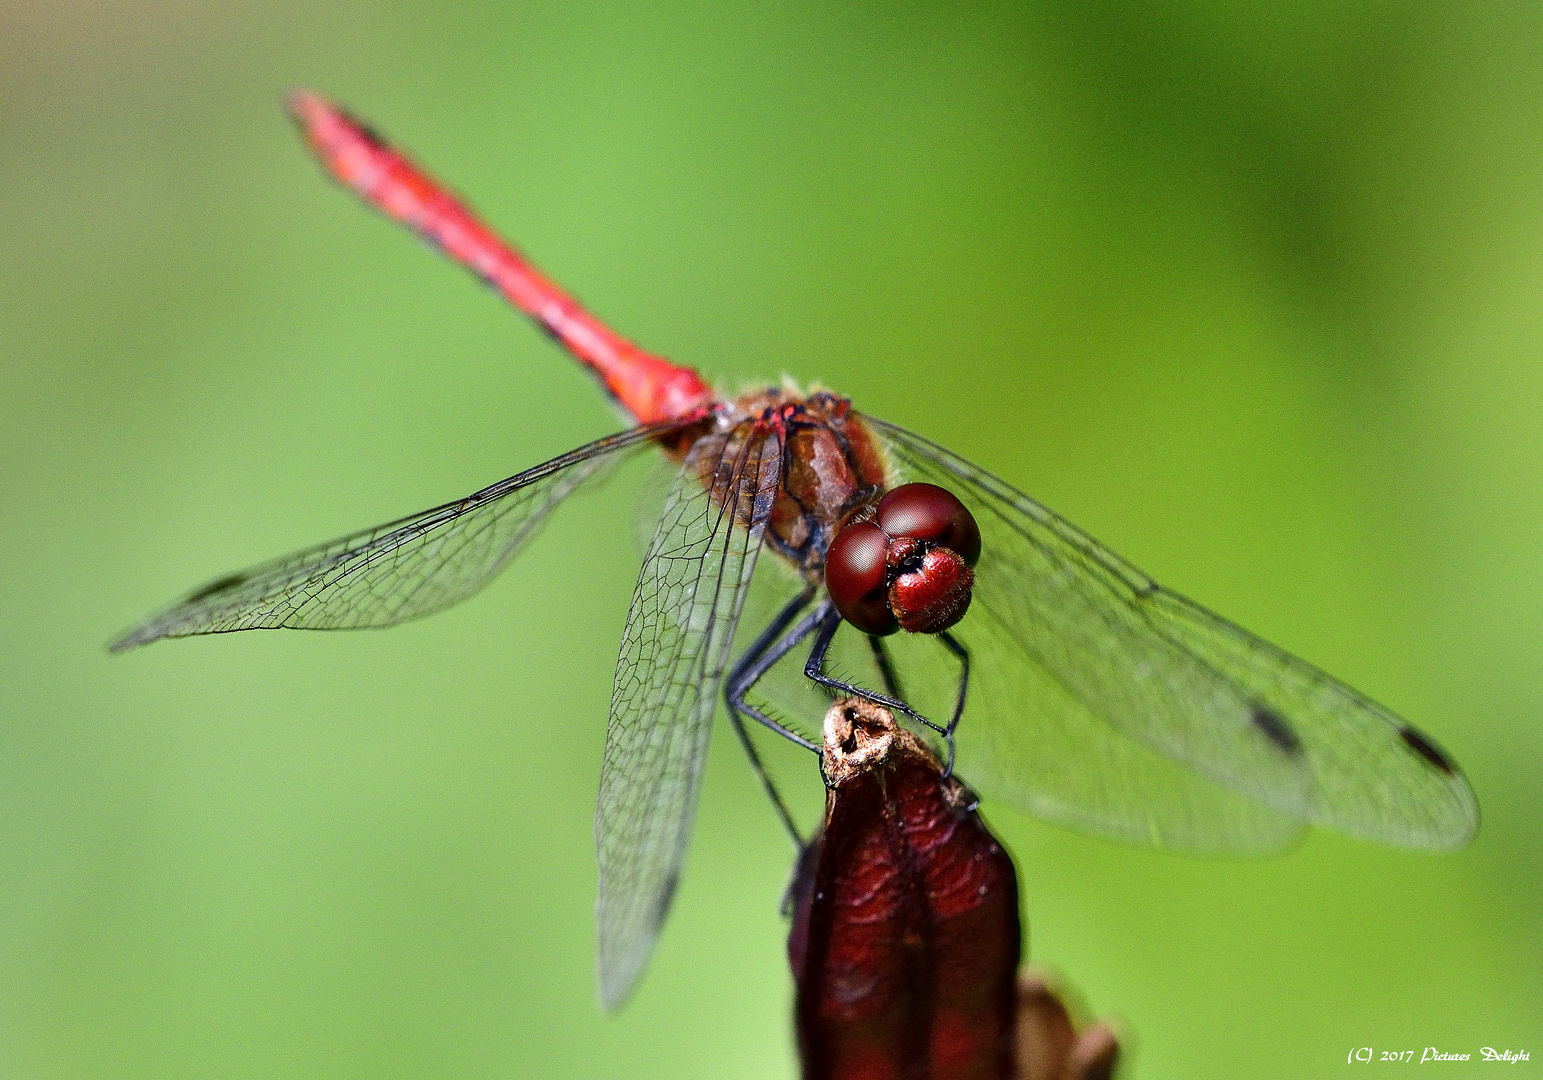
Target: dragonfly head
{"points": [[905, 564]]}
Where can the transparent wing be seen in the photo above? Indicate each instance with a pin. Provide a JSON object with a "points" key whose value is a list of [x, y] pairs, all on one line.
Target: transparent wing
{"points": [[394, 572], [684, 610], [1068, 632], [1027, 741]]}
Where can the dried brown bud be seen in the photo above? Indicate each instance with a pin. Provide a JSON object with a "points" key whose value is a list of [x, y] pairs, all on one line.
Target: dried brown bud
{"points": [[1048, 1045]]}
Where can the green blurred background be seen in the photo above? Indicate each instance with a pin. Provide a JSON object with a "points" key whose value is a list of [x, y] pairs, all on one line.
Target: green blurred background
{"points": [[1253, 292]]}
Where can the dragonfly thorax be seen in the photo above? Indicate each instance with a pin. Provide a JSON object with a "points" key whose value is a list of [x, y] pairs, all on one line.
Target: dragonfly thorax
{"points": [[832, 470]]}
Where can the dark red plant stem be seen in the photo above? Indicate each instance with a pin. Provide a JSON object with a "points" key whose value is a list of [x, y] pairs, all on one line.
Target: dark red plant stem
{"points": [[905, 940]]}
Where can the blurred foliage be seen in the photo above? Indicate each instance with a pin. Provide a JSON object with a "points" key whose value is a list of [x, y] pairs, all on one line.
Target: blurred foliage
{"points": [[1250, 291]]}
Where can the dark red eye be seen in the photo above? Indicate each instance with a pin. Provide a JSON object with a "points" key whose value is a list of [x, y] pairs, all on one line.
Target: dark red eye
{"points": [[855, 578], [928, 512]]}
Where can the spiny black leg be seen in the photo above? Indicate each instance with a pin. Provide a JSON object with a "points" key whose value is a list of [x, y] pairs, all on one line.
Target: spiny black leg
{"points": [[766, 781], [744, 674], [828, 619], [761, 657], [964, 676], [886, 668], [958, 650]]}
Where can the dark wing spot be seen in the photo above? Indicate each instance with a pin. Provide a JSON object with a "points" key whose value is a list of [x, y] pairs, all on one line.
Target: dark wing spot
{"points": [[1426, 749], [666, 898], [214, 588], [1276, 730]]}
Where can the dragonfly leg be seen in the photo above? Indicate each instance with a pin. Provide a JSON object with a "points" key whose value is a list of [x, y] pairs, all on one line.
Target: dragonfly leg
{"points": [[885, 666], [828, 621], [763, 655], [747, 670], [772, 793], [953, 646]]}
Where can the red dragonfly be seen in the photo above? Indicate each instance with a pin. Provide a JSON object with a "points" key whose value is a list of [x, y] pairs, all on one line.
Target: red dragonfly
{"points": [[1088, 695]]}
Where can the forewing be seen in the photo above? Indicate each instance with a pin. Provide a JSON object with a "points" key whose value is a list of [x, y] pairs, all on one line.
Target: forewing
{"points": [[394, 572], [677, 641], [1174, 678]]}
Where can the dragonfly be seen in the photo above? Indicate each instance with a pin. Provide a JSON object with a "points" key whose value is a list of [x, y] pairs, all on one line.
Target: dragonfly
{"points": [[1058, 678]]}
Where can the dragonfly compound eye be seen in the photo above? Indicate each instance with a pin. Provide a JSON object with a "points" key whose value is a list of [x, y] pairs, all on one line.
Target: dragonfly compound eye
{"points": [[908, 568], [856, 575], [928, 512]]}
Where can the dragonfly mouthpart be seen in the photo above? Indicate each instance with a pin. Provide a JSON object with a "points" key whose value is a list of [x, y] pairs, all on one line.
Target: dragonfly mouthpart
{"points": [[930, 593]]}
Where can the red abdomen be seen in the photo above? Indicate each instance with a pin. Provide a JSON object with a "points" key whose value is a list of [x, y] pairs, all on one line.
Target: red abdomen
{"points": [[650, 387]]}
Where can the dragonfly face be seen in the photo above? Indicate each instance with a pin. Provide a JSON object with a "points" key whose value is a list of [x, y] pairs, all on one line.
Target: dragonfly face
{"points": [[905, 563]]}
